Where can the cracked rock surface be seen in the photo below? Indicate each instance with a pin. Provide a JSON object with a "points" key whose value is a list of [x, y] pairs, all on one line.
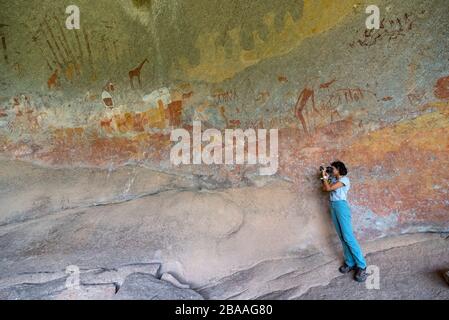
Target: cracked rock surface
{"points": [[137, 281], [144, 286]]}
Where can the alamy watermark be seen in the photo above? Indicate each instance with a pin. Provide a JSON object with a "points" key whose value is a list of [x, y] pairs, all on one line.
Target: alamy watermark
{"points": [[73, 280], [373, 20], [73, 20], [373, 279], [189, 150]]}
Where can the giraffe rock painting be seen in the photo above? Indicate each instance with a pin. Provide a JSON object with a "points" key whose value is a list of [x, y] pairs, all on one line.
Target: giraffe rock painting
{"points": [[135, 73]]}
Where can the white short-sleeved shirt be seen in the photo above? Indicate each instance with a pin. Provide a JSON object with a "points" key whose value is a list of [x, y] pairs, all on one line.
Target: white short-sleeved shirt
{"points": [[342, 192]]}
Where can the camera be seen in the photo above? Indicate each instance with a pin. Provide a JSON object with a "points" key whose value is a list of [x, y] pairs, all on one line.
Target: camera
{"points": [[329, 170]]}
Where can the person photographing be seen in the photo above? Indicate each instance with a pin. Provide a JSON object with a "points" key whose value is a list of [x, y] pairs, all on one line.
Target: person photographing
{"points": [[335, 181]]}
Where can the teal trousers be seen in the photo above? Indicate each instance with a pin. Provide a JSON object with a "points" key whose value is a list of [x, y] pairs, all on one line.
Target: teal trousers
{"points": [[341, 217]]}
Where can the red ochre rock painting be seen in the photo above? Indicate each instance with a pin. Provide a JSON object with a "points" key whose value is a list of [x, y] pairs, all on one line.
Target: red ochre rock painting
{"points": [[156, 118], [73, 146], [442, 88], [384, 164], [407, 155]]}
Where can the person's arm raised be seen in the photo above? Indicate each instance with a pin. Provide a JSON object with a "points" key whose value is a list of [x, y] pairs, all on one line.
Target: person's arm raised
{"points": [[327, 186], [331, 187]]}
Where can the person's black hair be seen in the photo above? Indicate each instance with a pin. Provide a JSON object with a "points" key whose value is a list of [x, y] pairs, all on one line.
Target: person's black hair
{"points": [[340, 167]]}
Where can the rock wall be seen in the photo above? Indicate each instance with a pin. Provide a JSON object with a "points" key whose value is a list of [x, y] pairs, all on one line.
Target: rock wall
{"points": [[86, 117]]}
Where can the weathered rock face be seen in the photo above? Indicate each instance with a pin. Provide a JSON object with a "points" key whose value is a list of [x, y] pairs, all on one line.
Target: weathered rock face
{"points": [[86, 117], [138, 281]]}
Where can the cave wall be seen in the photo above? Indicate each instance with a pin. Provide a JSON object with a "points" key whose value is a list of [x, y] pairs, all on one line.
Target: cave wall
{"points": [[378, 100]]}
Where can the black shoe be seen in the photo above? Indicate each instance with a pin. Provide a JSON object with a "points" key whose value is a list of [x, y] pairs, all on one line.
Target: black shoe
{"points": [[360, 275], [345, 268]]}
